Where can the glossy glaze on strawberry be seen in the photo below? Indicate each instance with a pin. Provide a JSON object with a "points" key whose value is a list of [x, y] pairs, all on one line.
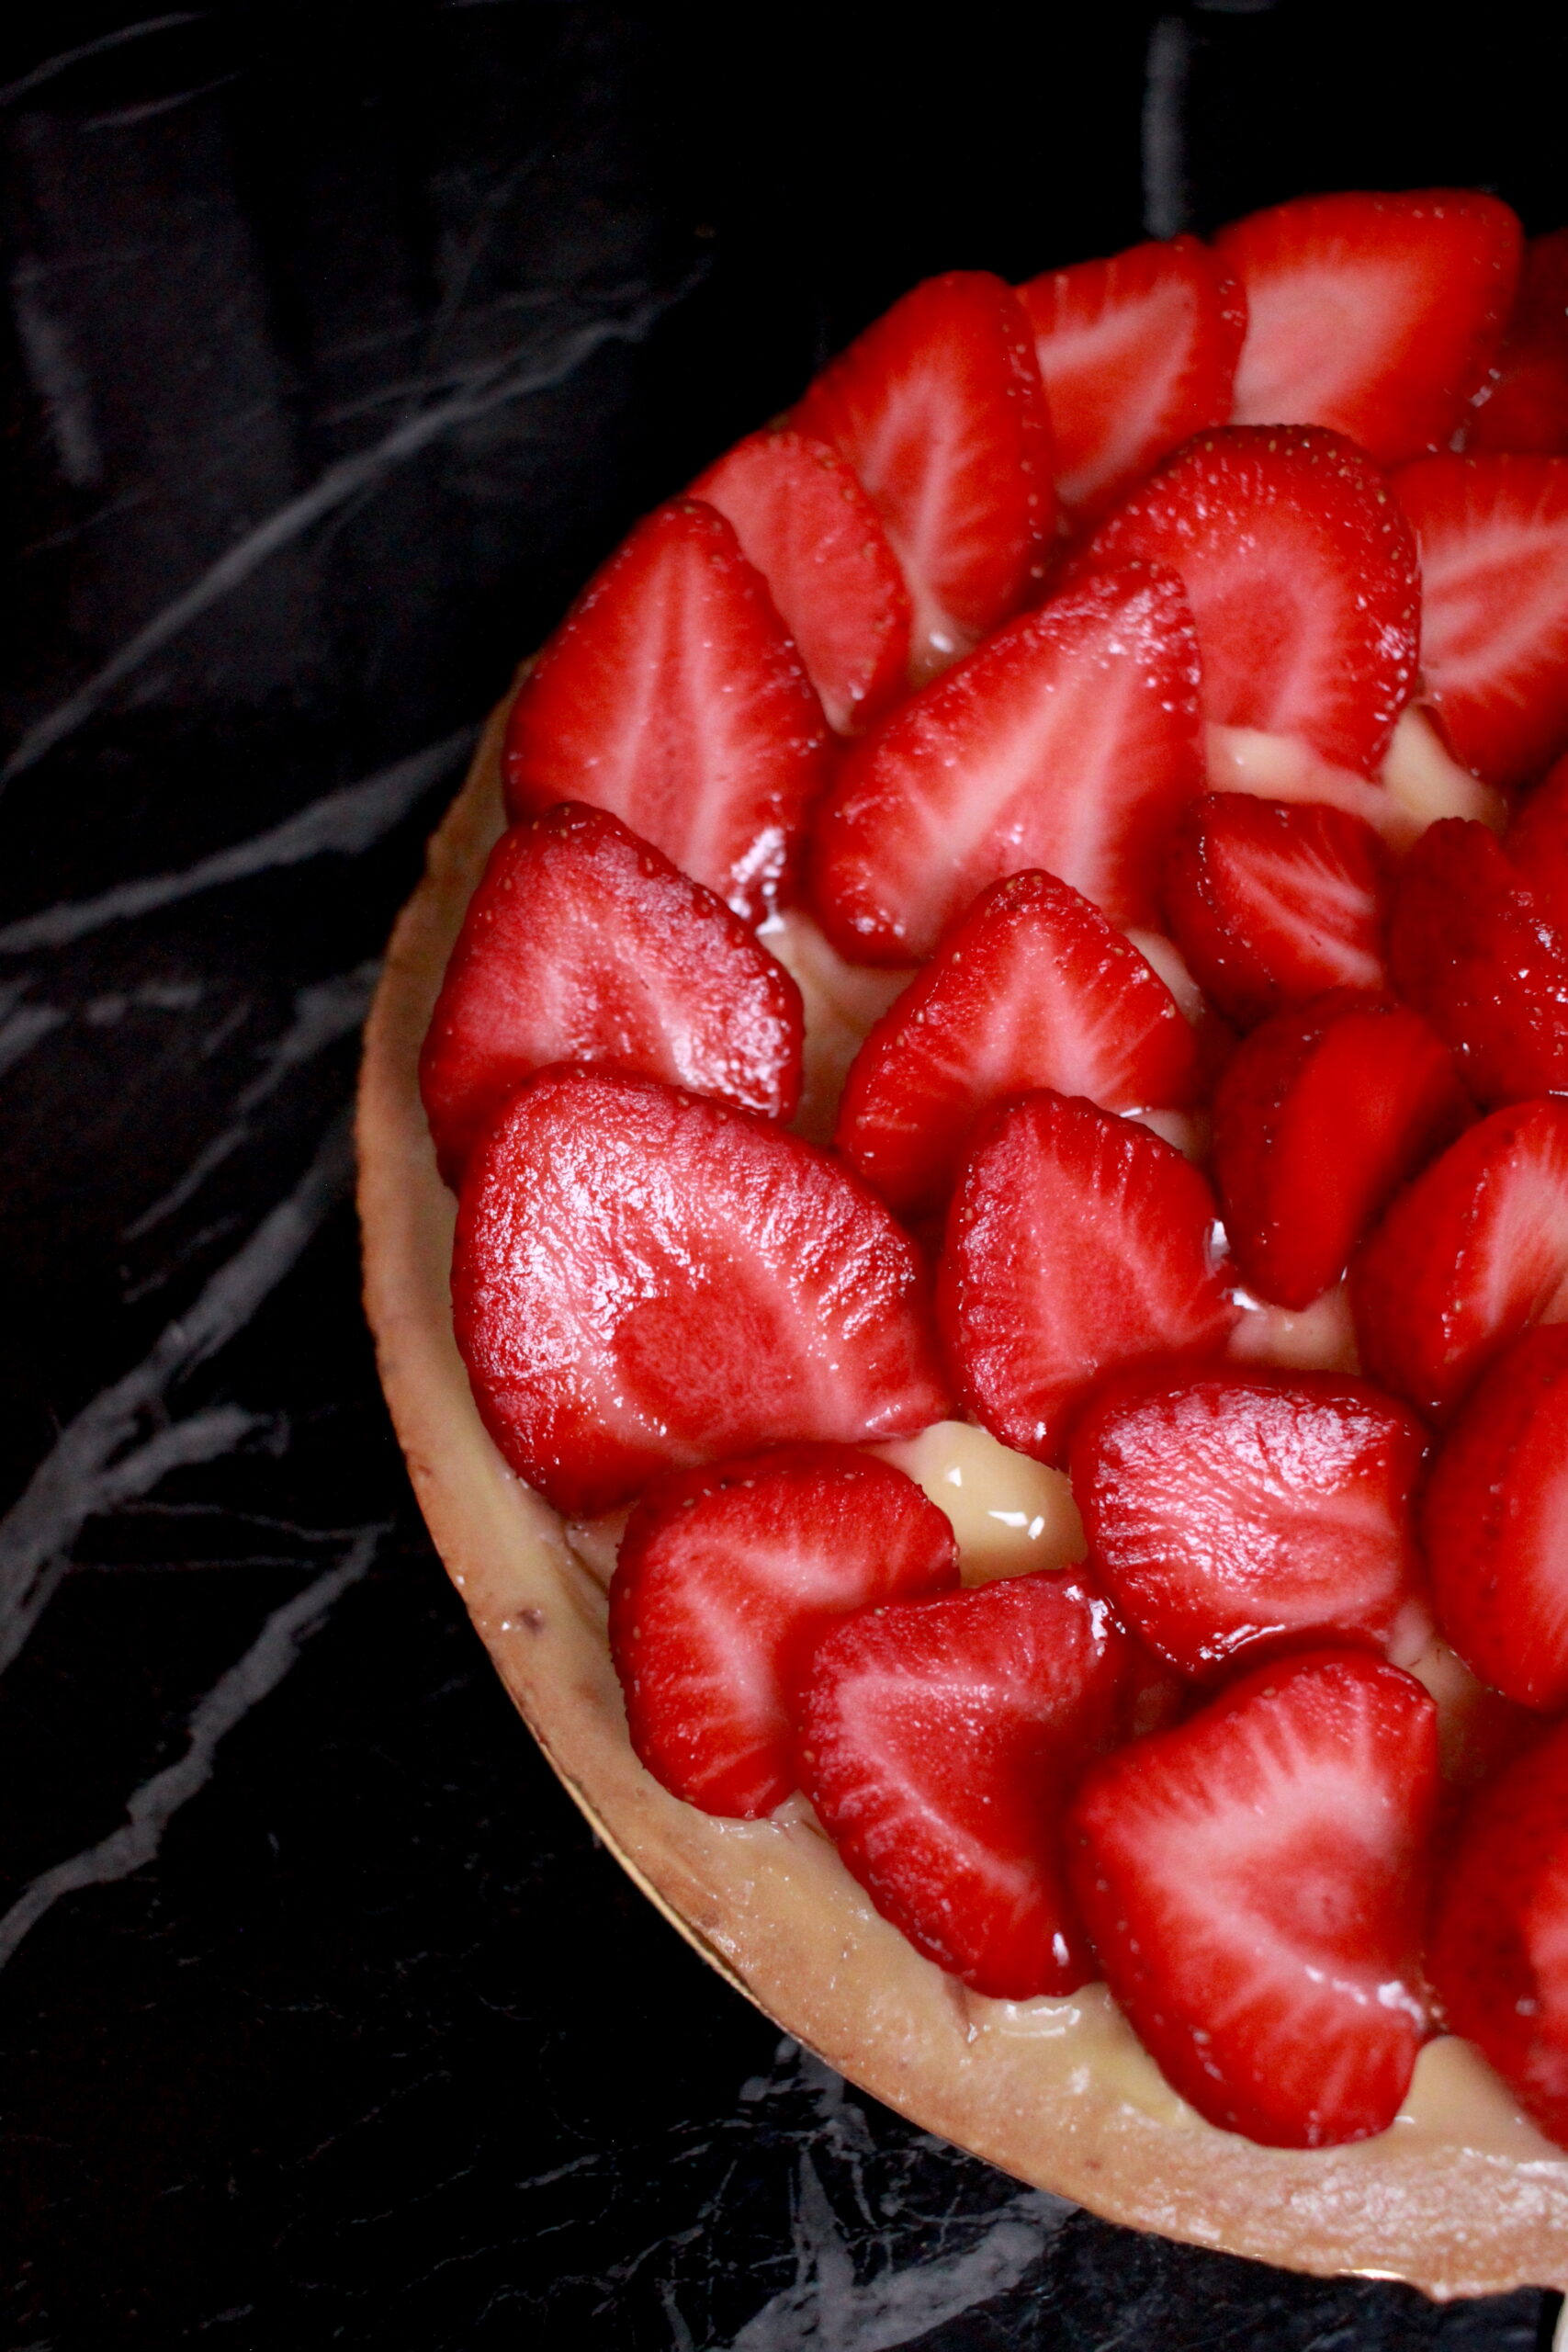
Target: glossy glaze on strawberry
{"points": [[1231, 1511], [583, 944], [725, 1578], [939, 1742], [1031, 987]]}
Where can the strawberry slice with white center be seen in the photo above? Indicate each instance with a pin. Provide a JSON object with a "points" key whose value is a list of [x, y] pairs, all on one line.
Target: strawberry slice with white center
{"points": [[1475, 950], [726, 1577], [1493, 533], [1031, 987], [1272, 904], [939, 1741], [1499, 1945], [643, 1279], [1255, 1883], [1075, 1243], [1495, 1521], [1136, 353], [804, 520], [1301, 574], [938, 409], [1319, 1117], [1070, 741], [583, 944], [1472, 1253], [1525, 406], [1376, 315], [674, 695], [1237, 1509]]}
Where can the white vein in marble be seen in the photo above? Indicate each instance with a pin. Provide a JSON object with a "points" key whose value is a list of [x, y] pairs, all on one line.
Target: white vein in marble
{"points": [[494, 385], [50, 67], [152, 1806], [343, 823], [96, 1461]]}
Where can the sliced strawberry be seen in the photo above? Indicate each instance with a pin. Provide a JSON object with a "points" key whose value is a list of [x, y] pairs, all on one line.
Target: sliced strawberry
{"points": [[1319, 1118], [804, 520], [1232, 1509], [643, 1279], [1376, 315], [1495, 1520], [1499, 1946], [1070, 741], [1075, 1243], [1254, 1882], [1031, 988], [937, 1741], [583, 944], [1525, 406], [1494, 538], [672, 695], [1303, 581], [1136, 353], [726, 1577], [1472, 947], [938, 409], [1273, 904], [1536, 845], [1472, 1253]]}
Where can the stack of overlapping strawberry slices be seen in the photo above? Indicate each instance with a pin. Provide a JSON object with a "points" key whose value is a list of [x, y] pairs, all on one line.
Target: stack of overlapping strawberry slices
{"points": [[1141, 691]]}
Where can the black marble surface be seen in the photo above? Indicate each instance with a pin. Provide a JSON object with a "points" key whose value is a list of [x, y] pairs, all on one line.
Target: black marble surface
{"points": [[341, 341]]}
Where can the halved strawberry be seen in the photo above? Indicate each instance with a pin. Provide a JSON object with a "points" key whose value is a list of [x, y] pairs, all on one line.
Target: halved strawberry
{"points": [[1075, 1243], [726, 1577], [672, 695], [1301, 575], [1255, 1881], [1320, 1116], [1495, 1521], [1536, 844], [937, 1741], [804, 520], [1525, 405], [1473, 948], [1031, 988], [1272, 904], [1136, 353], [643, 1279], [582, 943], [1228, 1509], [1070, 741], [1470, 1254], [1376, 315], [938, 409], [1499, 1945], [1493, 533]]}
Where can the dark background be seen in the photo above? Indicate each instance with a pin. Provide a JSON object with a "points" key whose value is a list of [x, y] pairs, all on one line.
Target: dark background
{"points": [[340, 343]]}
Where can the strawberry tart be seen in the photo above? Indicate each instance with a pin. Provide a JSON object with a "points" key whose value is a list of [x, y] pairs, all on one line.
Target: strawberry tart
{"points": [[965, 1170]]}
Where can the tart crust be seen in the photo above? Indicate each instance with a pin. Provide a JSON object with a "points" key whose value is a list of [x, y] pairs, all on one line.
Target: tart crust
{"points": [[1462, 2199]]}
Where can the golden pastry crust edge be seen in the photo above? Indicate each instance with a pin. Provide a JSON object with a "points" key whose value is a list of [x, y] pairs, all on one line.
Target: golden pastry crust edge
{"points": [[768, 1904]]}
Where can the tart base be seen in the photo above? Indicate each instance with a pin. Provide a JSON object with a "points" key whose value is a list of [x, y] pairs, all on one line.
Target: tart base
{"points": [[1459, 2198]]}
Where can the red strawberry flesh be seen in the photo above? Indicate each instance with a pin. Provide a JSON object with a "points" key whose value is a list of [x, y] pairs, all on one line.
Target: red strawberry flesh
{"points": [[804, 520], [1228, 1510], [1075, 1243], [644, 1280], [1255, 1881], [1376, 315], [1031, 987], [1069, 742], [1301, 574], [937, 1741], [672, 695], [725, 1579], [1525, 407], [582, 943]]}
